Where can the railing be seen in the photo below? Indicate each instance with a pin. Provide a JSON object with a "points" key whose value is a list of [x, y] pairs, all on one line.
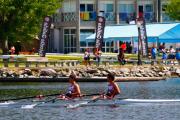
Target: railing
{"points": [[66, 63], [64, 17], [110, 16], [91, 16]]}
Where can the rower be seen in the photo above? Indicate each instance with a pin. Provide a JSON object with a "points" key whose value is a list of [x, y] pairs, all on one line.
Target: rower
{"points": [[113, 88], [73, 89]]}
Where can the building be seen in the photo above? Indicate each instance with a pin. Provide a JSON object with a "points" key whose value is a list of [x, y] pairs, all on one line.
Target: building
{"points": [[76, 20]]}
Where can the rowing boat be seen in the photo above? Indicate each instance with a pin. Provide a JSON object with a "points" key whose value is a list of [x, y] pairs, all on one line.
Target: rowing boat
{"points": [[84, 102]]}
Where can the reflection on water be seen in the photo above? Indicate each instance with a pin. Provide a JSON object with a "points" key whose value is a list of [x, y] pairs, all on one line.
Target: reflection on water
{"points": [[168, 89]]}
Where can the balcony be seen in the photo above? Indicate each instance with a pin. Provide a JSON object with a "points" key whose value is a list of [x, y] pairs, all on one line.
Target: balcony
{"points": [[64, 17], [91, 16]]}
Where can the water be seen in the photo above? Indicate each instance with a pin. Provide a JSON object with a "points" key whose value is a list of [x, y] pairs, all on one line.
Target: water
{"points": [[168, 89]]}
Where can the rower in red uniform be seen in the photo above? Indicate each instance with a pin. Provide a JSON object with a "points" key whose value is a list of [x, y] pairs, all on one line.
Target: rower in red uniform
{"points": [[73, 89], [113, 88]]}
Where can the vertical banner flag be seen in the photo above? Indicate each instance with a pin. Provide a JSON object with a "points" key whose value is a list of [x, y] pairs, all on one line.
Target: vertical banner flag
{"points": [[142, 35], [100, 24], [45, 31]]}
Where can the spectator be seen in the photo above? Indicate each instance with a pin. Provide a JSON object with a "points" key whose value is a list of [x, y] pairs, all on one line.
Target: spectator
{"points": [[123, 46], [87, 57], [121, 57], [153, 52], [12, 50], [98, 54], [171, 53], [164, 55], [161, 47]]}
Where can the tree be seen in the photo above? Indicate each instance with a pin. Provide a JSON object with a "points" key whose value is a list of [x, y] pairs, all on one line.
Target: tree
{"points": [[173, 9], [22, 19]]}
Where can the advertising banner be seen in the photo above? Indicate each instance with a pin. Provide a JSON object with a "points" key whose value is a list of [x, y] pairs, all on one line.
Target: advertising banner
{"points": [[44, 36], [100, 24], [142, 35]]}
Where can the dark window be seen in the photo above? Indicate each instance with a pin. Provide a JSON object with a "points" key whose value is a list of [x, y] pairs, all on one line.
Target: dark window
{"points": [[73, 31], [89, 7], [82, 7], [66, 31], [141, 8]]}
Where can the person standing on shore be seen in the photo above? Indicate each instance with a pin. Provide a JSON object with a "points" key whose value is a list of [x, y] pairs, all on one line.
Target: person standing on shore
{"points": [[87, 57], [113, 88], [98, 54], [73, 89]]}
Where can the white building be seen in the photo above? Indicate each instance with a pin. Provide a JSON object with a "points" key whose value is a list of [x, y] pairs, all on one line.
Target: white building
{"points": [[76, 20]]}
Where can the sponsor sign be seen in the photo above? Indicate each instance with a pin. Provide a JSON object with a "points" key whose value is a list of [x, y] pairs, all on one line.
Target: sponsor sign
{"points": [[44, 36], [100, 24], [142, 35]]}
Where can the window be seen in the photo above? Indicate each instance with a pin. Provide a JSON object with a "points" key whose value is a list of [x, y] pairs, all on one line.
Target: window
{"points": [[109, 7], [82, 7], [126, 8], [90, 7], [126, 12], [84, 33], [148, 8], [86, 7], [69, 40]]}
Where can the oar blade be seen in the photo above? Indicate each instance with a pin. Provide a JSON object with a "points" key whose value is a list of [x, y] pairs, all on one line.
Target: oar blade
{"points": [[28, 106]]}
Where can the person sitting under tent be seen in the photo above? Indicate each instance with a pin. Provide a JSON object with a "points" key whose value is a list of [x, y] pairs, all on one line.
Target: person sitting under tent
{"points": [[121, 57]]}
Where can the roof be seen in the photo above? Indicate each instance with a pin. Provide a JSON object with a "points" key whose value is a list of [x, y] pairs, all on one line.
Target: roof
{"points": [[166, 32]]}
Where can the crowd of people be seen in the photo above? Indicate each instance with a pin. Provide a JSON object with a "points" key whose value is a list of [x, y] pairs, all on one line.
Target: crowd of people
{"points": [[170, 53], [126, 47]]}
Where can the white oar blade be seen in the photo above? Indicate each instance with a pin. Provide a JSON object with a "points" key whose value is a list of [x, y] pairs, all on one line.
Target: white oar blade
{"points": [[7, 103], [28, 106], [76, 105]]}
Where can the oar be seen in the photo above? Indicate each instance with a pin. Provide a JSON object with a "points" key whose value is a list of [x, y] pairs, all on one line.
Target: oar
{"points": [[36, 104], [83, 103], [53, 100], [29, 97]]}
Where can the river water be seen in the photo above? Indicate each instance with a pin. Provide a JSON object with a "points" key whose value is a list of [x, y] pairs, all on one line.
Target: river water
{"points": [[165, 89]]}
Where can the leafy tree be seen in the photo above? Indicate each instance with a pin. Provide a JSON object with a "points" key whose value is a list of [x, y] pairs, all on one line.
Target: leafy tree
{"points": [[22, 19], [173, 9]]}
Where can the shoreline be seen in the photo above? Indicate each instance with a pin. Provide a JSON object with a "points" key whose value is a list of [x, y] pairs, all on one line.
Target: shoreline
{"points": [[93, 79]]}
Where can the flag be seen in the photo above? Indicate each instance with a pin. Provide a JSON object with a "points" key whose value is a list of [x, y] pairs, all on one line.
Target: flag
{"points": [[142, 35], [45, 31], [100, 24]]}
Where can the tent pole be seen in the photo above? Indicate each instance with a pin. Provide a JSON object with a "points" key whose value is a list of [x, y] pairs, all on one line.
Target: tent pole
{"points": [[132, 43], [157, 43]]}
